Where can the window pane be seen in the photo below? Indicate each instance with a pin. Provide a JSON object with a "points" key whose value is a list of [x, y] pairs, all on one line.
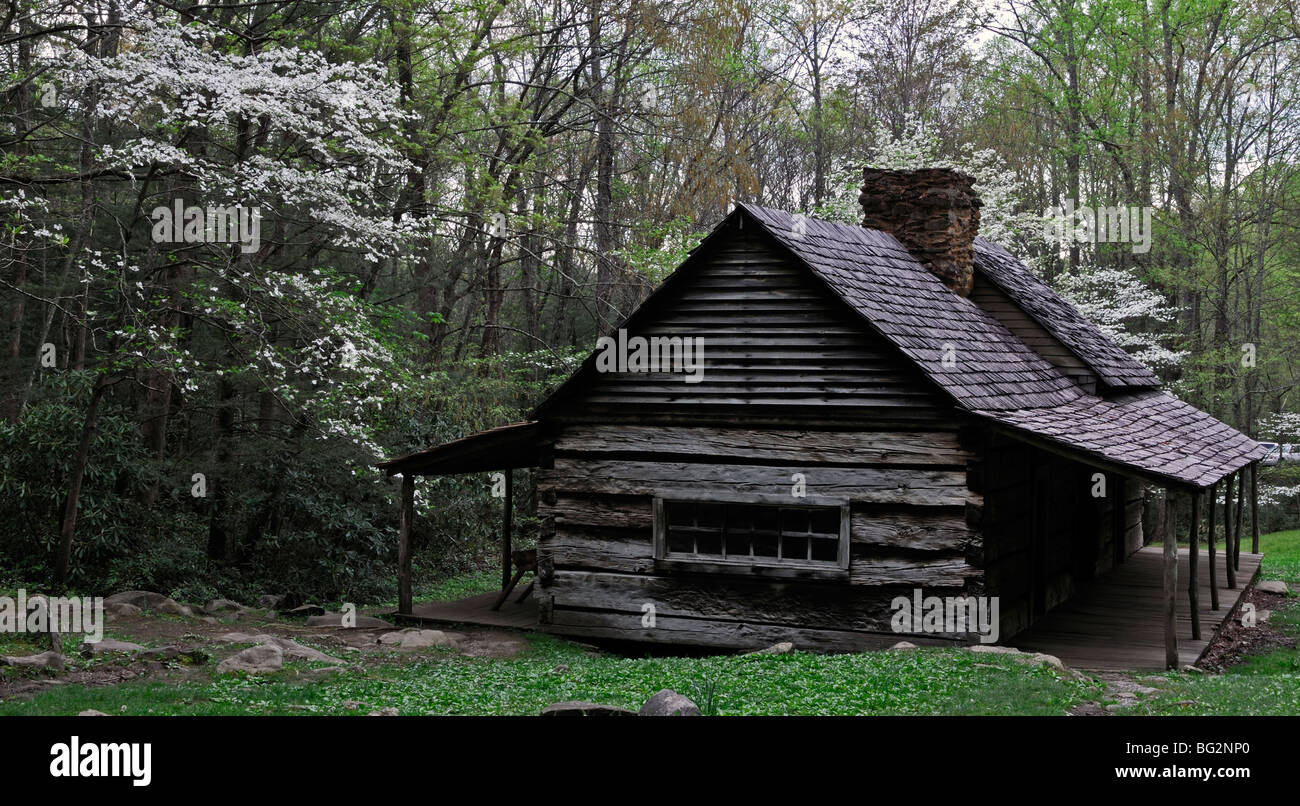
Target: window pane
{"points": [[825, 521], [765, 545], [794, 547], [680, 514], [680, 541], [825, 550], [709, 515], [709, 543]]}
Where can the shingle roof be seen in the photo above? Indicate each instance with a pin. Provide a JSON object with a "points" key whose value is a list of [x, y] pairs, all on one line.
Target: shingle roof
{"points": [[1115, 367], [995, 375], [1150, 430], [875, 274]]}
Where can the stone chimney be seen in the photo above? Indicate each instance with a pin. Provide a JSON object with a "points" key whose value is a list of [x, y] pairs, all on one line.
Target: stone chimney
{"points": [[934, 212]]}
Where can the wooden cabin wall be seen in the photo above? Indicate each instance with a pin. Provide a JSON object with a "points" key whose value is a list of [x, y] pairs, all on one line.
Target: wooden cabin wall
{"points": [[908, 529], [794, 384]]}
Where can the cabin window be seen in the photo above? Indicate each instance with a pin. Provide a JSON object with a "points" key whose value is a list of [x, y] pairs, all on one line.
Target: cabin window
{"points": [[752, 535]]}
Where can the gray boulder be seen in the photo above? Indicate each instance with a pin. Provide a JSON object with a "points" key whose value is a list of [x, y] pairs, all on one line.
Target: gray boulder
{"points": [[667, 702], [122, 609], [415, 638], [580, 708], [1272, 586], [290, 649], [220, 607], [111, 645], [148, 600], [783, 648], [45, 660], [259, 659], [145, 600]]}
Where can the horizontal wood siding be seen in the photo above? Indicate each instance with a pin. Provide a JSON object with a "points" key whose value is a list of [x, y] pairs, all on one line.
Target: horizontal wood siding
{"points": [[776, 344], [908, 528], [996, 303]]}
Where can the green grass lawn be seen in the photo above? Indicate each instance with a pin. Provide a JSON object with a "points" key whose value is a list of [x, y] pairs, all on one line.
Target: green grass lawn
{"points": [[1281, 555], [915, 682], [931, 681]]}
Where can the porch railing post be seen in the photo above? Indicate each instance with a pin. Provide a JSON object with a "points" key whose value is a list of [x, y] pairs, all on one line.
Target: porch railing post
{"points": [[1193, 568], [404, 545], [507, 516], [1171, 583], [1210, 530], [1227, 534], [1254, 507], [1239, 525]]}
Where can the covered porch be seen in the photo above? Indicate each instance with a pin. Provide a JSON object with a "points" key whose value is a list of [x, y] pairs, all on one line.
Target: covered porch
{"points": [[1116, 622], [504, 449]]}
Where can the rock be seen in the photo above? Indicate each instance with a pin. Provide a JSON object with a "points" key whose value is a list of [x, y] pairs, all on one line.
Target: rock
{"points": [[111, 645], [194, 657], [254, 660], [384, 712], [352, 705], [92, 712], [1050, 660], [296, 651], [336, 620], [223, 606], [1262, 616], [775, 649], [209, 619], [122, 610], [1272, 586], [1190, 669], [304, 611], [667, 702], [580, 708], [560, 669], [415, 638], [902, 645], [173, 608], [291, 649], [240, 638], [45, 660], [271, 601], [145, 600], [993, 649]]}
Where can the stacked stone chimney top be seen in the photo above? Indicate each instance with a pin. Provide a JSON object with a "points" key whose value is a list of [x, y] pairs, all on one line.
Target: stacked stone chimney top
{"points": [[934, 212]]}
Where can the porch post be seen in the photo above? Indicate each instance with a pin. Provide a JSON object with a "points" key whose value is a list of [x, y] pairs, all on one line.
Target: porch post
{"points": [[507, 516], [1193, 568], [404, 545], [1227, 534], [1254, 507], [1210, 530], [1171, 583], [1239, 526]]}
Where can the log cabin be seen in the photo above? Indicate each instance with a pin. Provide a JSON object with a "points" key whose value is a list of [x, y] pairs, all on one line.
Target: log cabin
{"points": [[873, 411]]}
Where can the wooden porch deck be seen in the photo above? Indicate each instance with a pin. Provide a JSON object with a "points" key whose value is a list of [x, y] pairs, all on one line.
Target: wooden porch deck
{"points": [[1115, 623], [477, 610]]}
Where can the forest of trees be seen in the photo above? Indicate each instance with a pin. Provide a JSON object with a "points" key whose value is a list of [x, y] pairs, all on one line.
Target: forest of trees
{"points": [[452, 200]]}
